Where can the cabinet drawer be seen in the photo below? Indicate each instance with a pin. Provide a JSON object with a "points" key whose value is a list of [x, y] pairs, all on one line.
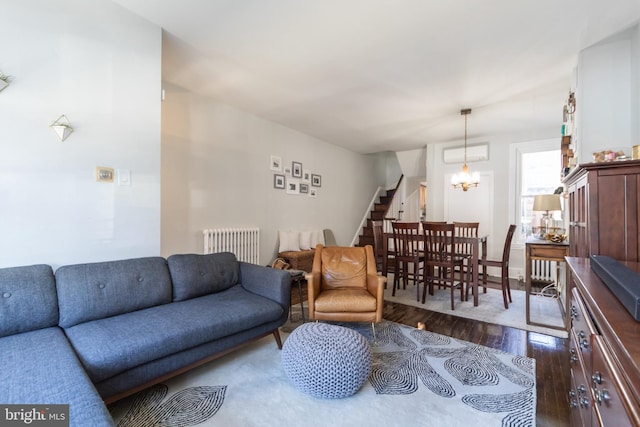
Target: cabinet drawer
{"points": [[606, 383], [548, 252], [580, 400], [582, 327]]}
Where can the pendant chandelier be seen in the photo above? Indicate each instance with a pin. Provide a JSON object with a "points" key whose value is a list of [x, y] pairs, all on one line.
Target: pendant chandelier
{"points": [[464, 179]]}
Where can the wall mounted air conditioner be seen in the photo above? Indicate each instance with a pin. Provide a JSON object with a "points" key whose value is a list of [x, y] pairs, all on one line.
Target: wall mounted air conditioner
{"points": [[475, 153]]}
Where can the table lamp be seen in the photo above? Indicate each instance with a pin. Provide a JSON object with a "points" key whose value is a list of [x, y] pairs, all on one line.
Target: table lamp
{"points": [[546, 203]]}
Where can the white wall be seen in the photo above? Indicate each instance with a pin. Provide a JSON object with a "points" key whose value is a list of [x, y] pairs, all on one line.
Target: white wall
{"points": [[215, 173], [100, 66], [608, 95]]}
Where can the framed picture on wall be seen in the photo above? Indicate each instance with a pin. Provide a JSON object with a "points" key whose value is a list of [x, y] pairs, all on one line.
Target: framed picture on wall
{"points": [[316, 180], [276, 163], [293, 186], [306, 176], [313, 192], [304, 188], [296, 169], [278, 181]]}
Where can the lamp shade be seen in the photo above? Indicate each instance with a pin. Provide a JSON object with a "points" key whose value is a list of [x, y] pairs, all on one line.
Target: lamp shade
{"points": [[547, 202]]}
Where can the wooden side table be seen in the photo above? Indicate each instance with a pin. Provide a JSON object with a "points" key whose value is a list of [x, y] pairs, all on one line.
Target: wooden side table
{"points": [[537, 249]]}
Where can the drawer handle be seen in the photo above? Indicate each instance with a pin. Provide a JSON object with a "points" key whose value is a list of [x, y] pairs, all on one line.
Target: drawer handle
{"points": [[584, 342], [596, 378], [602, 396], [582, 389], [584, 402], [573, 357], [573, 403]]}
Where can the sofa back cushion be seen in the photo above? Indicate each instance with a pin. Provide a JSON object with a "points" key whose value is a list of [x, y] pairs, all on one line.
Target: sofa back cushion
{"points": [[196, 275], [28, 299], [97, 290]]}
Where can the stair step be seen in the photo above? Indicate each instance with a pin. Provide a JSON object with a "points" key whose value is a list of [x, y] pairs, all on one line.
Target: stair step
{"points": [[377, 215], [365, 240], [366, 231]]}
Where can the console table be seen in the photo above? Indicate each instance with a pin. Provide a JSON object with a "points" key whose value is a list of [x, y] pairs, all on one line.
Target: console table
{"points": [[537, 249]]}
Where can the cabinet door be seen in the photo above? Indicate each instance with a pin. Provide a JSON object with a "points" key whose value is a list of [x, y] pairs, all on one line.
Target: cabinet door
{"points": [[578, 208], [616, 232]]}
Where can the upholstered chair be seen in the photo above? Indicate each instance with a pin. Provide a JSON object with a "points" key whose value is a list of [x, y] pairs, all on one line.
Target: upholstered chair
{"points": [[344, 285]]}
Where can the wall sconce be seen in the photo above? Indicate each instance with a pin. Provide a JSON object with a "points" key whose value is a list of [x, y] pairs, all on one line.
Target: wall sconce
{"points": [[4, 81], [62, 127]]}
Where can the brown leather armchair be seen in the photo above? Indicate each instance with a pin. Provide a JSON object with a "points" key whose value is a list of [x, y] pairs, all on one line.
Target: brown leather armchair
{"points": [[345, 286]]}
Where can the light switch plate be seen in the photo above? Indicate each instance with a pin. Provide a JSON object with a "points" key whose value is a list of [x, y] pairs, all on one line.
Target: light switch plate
{"points": [[104, 174], [124, 177]]}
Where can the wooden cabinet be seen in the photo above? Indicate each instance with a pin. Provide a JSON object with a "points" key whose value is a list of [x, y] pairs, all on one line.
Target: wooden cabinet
{"points": [[604, 210], [604, 352]]}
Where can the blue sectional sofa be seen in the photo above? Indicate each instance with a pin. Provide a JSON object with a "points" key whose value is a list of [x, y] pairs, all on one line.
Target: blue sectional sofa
{"points": [[91, 334]]}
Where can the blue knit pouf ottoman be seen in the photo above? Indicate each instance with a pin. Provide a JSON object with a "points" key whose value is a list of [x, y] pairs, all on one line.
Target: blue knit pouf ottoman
{"points": [[326, 361]]}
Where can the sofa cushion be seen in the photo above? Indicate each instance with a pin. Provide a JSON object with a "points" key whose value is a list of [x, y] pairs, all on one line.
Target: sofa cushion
{"points": [[40, 368], [113, 345], [196, 275], [28, 299], [93, 291]]}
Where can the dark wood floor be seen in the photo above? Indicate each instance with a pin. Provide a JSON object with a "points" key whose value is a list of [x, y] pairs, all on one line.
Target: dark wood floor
{"points": [[551, 354]]}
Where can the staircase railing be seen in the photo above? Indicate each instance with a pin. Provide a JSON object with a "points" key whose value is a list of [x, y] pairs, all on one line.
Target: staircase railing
{"points": [[372, 203], [366, 214]]}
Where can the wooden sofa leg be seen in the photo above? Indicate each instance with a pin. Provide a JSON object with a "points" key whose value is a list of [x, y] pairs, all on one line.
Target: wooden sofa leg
{"points": [[276, 335]]}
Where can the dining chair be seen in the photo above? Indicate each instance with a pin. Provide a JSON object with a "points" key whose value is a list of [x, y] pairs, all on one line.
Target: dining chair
{"points": [[441, 261], [503, 265], [384, 257], [409, 259], [465, 249]]}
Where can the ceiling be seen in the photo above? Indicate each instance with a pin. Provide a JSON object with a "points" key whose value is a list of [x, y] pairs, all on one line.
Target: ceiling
{"points": [[385, 75]]}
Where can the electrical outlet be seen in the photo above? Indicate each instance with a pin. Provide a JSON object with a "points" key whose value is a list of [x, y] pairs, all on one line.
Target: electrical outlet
{"points": [[104, 174]]}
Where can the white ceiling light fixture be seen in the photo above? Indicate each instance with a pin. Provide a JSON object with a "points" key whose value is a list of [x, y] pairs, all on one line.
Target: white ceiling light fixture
{"points": [[464, 179]]}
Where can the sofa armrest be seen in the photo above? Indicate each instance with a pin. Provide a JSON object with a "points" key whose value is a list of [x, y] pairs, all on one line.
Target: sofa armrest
{"points": [[268, 282]]}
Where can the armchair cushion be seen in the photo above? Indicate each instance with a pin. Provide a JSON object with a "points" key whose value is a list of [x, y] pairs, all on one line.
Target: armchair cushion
{"points": [[345, 300], [344, 267]]}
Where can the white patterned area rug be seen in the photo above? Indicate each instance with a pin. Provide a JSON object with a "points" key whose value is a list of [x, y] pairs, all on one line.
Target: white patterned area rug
{"points": [[490, 308], [418, 378]]}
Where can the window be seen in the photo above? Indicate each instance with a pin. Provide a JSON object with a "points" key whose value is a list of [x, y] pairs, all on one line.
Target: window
{"points": [[536, 169]]}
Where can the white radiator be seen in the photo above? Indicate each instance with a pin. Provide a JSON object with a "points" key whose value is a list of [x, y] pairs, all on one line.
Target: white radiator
{"points": [[543, 270], [244, 243]]}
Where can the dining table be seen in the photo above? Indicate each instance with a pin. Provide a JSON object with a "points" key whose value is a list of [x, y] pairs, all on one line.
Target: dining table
{"points": [[478, 252]]}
